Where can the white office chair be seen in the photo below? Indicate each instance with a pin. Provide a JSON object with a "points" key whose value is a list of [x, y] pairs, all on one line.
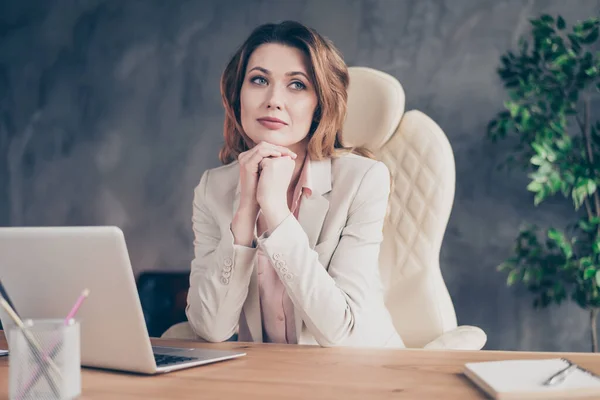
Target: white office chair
{"points": [[421, 162]]}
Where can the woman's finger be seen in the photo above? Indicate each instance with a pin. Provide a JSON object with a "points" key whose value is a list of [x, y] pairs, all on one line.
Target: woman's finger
{"points": [[260, 155], [283, 150]]}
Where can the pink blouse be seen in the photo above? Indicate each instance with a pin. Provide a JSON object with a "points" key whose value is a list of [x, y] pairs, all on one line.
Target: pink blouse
{"points": [[276, 307]]}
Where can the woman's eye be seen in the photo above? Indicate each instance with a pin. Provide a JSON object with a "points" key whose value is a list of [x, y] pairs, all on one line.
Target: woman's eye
{"points": [[259, 80], [298, 85]]}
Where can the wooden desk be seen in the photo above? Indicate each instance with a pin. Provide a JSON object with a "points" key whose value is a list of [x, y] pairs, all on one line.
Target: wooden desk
{"points": [[271, 371]]}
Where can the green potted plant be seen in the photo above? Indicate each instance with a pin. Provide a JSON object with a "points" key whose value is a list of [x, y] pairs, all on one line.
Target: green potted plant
{"points": [[550, 81]]}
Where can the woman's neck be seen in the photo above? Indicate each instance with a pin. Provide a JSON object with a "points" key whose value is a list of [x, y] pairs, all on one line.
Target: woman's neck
{"points": [[300, 151]]}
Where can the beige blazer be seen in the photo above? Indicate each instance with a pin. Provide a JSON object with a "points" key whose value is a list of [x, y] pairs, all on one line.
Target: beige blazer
{"points": [[327, 259]]}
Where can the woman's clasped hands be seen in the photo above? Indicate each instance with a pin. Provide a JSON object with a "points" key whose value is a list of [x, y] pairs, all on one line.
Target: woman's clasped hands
{"points": [[265, 174]]}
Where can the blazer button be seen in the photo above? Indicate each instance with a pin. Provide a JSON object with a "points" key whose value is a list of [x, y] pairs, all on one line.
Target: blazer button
{"points": [[226, 274], [288, 276], [228, 262], [280, 264], [277, 256], [224, 280], [227, 269], [283, 270]]}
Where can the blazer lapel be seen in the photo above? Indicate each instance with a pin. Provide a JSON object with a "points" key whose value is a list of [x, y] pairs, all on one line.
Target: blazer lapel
{"points": [[313, 209], [311, 215]]}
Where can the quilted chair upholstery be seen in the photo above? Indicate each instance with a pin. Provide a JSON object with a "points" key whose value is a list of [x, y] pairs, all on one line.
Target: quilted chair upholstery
{"points": [[421, 163]]}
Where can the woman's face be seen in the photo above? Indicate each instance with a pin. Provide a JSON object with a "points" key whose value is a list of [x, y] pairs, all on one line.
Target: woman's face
{"points": [[277, 98]]}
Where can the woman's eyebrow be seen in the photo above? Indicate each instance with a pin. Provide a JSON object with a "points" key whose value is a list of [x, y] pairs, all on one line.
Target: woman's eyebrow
{"points": [[292, 73], [261, 69]]}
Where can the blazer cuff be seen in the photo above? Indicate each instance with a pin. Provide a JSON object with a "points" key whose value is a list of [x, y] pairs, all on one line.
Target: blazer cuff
{"points": [[283, 239], [237, 261], [267, 233]]}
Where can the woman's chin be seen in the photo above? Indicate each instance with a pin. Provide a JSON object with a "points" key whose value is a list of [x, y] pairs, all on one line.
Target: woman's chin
{"points": [[273, 137]]}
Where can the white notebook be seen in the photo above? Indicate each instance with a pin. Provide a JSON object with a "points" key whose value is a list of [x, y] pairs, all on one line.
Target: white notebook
{"points": [[523, 379]]}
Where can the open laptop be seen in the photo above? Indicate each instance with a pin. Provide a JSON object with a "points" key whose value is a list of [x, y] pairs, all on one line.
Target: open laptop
{"points": [[45, 269]]}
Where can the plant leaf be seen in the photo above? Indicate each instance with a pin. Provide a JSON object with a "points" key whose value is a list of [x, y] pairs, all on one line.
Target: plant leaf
{"points": [[539, 197], [589, 272], [534, 186], [591, 187], [539, 149], [556, 235], [513, 277], [596, 246], [591, 71], [537, 160], [513, 108], [579, 194], [591, 37]]}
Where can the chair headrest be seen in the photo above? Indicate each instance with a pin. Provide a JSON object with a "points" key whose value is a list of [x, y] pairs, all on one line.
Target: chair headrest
{"points": [[375, 107]]}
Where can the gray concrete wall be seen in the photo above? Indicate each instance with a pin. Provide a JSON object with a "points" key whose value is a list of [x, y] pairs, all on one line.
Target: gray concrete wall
{"points": [[110, 112]]}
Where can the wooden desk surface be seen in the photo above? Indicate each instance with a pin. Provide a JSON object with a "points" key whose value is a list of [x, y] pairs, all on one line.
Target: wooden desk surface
{"points": [[270, 371]]}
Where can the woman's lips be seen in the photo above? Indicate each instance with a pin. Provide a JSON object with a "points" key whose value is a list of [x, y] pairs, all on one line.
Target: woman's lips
{"points": [[271, 123]]}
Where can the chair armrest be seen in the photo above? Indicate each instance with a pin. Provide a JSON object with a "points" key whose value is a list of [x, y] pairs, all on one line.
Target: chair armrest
{"points": [[464, 337], [181, 331], [184, 331]]}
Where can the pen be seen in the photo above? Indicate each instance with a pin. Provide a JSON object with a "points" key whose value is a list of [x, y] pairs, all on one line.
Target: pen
{"points": [[561, 375], [5, 296]]}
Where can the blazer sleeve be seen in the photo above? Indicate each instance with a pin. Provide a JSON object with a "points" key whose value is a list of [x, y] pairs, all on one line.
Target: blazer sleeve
{"points": [[332, 299], [220, 273]]}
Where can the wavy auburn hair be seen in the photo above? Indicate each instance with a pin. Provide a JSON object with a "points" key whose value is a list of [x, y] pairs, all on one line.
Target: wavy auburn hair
{"points": [[328, 73]]}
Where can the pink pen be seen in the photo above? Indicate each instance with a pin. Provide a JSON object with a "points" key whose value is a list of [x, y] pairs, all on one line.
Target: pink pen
{"points": [[52, 352], [78, 304]]}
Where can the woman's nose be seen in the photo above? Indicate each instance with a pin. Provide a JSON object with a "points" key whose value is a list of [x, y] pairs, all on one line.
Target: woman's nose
{"points": [[275, 99]]}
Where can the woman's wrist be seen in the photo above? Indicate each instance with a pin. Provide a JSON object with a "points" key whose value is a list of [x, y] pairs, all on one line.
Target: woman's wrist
{"points": [[242, 225], [275, 214]]}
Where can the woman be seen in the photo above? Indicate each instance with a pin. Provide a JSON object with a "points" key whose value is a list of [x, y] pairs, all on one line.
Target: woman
{"points": [[287, 232]]}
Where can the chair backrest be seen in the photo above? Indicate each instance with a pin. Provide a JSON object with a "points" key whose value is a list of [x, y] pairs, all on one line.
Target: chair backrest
{"points": [[421, 163]]}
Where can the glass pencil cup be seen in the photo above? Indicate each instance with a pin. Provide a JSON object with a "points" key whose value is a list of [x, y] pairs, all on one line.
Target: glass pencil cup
{"points": [[44, 360]]}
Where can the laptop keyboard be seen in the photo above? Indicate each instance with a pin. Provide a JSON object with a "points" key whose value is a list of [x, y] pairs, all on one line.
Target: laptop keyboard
{"points": [[164, 359]]}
